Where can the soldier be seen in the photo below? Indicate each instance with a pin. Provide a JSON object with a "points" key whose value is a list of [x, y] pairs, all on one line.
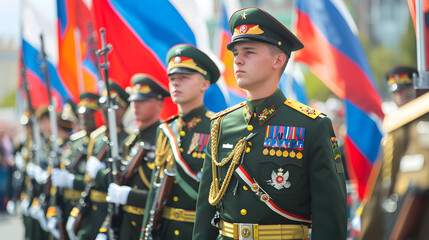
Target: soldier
{"points": [[131, 191], [65, 127], [397, 207], [95, 206], [37, 171], [180, 144], [400, 82], [272, 168]]}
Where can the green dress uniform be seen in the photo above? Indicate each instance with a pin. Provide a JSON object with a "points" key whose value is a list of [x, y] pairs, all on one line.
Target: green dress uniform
{"points": [[277, 172], [192, 133], [96, 209], [132, 212], [404, 167], [70, 152]]}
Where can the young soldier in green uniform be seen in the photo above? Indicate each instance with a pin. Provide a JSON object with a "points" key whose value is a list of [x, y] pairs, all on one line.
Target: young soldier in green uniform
{"points": [[181, 141], [38, 172], [147, 101], [404, 171], [272, 168], [93, 215], [69, 176]]}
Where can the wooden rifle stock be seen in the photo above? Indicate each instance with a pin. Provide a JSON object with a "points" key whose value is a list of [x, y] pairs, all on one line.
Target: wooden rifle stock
{"points": [[85, 194], [167, 183], [136, 161]]}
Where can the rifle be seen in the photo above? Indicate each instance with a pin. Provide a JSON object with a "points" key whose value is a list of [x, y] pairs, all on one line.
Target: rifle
{"points": [[113, 209], [83, 201], [135, 162], [36, 143], [54, 161], [162, 193]]}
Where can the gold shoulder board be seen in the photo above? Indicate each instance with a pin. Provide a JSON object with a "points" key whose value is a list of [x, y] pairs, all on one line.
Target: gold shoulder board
{"points": [[228, 110], [210, 114], [302, 108], [78, 135], [98, 131]]}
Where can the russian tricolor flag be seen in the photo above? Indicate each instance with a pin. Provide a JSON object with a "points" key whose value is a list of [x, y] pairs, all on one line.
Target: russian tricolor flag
{"points": [[33, 25], [334, 54], [142, 32]]}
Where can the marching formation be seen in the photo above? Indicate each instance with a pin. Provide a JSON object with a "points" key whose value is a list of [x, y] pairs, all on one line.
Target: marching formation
{"points": [[267, 168]]}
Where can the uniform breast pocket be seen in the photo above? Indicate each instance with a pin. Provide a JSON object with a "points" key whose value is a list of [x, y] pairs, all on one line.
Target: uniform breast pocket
{"points": [[280, 176]]}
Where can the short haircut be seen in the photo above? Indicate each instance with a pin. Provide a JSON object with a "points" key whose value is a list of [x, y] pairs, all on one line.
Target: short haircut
{"points": [[276, 50]]}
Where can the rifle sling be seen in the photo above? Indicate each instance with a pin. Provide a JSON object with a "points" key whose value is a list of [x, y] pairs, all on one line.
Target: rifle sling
{"points": [[184, 185], [135, 162]]}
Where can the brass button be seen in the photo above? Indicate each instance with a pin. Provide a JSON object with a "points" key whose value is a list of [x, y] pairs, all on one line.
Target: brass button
{"points": [[182, 133], [249, 127], [176, 232], [249, 143], [176, 198], [175, 181], [247, 149], [245, 188], [289, 100], [243, 211], [181, 150]]}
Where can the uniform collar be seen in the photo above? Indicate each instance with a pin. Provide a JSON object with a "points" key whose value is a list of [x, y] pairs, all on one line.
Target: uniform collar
{"points": [[192, 119], [263, 109]]}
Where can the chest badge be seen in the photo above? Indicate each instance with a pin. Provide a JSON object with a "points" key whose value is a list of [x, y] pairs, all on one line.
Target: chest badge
{"points": [[279, 180]]}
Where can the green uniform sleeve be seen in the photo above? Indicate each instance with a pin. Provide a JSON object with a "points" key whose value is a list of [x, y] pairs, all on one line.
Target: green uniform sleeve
{"points": [[101, 179], [79, 183], [327, 185], [137, 197], [204, 211]]}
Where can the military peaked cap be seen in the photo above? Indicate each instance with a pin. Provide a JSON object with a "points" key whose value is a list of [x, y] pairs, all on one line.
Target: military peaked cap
{"points": [[400, 77], [116, 92], [145, 87], [88, 102], [254, 24], [184, 58]]}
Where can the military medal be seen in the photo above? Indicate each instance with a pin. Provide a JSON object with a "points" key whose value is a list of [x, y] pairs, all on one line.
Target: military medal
{"points": [[299, 155], [265, 151], [279, 180], [285, 153], [292, 154], [272, 152], [278, 153]]}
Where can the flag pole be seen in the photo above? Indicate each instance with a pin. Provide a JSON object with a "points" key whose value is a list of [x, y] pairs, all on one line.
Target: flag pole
{"points": [[421, 83]]}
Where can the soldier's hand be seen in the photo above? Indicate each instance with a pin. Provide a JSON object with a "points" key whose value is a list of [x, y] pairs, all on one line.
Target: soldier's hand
{"points": [[117, 194], [62, 178], [41, 175], [52, 226], [93, 165], [101, 236], [11, 207], [24, 207], [30, 170]]}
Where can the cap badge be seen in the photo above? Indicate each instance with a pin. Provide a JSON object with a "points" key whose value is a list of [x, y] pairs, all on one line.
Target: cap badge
{"points": [[243, 29], [177, 59], [243, 15], [247, 29], [178, 51], [279, 180]]}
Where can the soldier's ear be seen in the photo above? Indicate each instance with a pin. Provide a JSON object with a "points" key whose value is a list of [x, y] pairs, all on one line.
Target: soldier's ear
{"points": [[279, 60]]}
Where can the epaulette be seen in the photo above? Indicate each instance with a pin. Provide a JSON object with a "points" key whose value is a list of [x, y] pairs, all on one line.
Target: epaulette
{"points": [[171, 118], [228, 110], [97, 132], [406, 113], [304, 109], [131, 139], [210, 114], [78, 135]]}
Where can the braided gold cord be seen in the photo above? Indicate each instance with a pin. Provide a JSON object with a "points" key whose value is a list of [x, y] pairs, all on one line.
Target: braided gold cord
{"points": [[163, 151], [215, 195]]}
